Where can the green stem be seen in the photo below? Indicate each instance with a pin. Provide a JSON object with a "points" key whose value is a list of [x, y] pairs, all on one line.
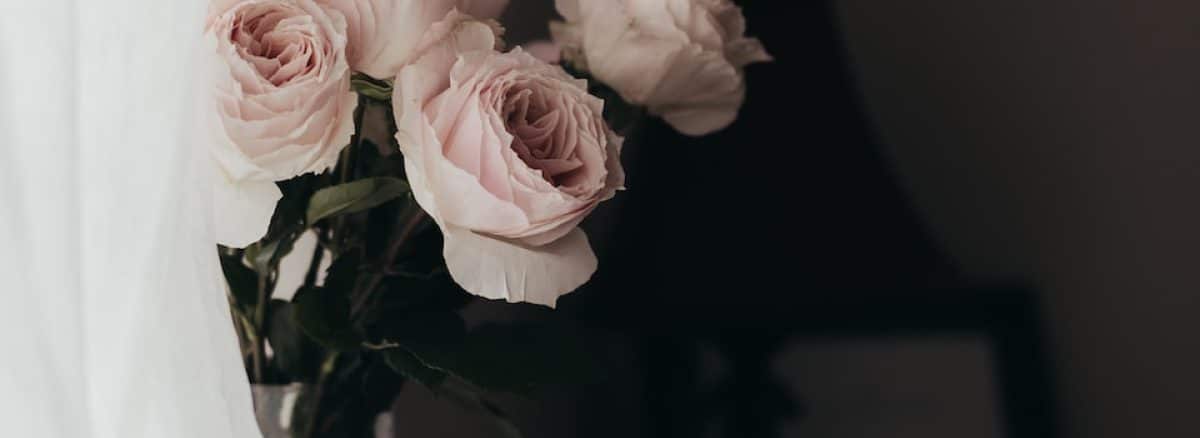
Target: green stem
{"points": [[346, 171], [259, 354], [318, 392], [347, 165], [407, 228], [310, 279], [239, 327]]}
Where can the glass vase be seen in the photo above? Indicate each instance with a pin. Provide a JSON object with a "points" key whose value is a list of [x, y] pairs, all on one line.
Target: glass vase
{"points": [[275, 410]]}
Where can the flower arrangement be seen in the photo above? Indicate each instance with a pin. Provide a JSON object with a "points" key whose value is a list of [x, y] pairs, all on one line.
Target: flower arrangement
{"points": [[429, 159]]}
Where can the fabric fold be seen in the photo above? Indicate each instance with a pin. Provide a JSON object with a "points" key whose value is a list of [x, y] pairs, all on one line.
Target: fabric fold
{"points": [[114, 321]]}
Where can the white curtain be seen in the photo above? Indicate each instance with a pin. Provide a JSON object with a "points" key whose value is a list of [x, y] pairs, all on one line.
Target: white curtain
{"points": [[113, 320]]}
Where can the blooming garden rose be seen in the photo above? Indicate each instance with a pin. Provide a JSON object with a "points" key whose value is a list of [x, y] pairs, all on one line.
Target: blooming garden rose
{"points": [[682, 59], [283, 105], [507, 154], [386, 34]]}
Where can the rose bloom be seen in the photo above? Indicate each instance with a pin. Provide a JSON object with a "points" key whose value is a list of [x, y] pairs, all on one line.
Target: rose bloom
{"points": [[682, 59], [283, 105], [507, 154], [386, 34]]}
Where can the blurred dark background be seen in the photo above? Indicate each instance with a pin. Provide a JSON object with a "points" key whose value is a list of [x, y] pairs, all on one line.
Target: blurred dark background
{"points": [[932, 219]]}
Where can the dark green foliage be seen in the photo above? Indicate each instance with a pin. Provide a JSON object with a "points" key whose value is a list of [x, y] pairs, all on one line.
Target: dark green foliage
{"points": [[324, 315], [409, 365], [297, 355], [354, 197]]}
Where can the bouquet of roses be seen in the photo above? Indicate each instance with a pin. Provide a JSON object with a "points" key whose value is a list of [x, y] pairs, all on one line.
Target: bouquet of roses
{"points": [[429, 159]]}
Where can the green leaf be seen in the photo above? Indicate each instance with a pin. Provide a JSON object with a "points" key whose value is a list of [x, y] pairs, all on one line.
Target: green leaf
{"points": [[404, 295], [288, 218], [424, 343], [263, 254], [354, 197], [469, 398], [378, 386], [434, 350], [519, 358], [324, 316], [444, 384], [409, 365], [356, 389], [376, 89], [295, 354], [424, 333], [343, 273], [381, 159], [516, 358]]}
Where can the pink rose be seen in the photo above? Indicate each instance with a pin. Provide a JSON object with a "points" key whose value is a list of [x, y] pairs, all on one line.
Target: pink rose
{"points": [[507, 154], [386, 34], [283, 105], [682, 59]]}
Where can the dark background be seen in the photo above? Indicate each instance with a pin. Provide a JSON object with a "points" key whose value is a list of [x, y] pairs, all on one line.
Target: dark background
{"points": [[933, 218]]}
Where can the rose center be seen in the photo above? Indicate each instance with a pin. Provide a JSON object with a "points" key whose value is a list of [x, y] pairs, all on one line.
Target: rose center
{"points": [[278, 50], [538, 127]]}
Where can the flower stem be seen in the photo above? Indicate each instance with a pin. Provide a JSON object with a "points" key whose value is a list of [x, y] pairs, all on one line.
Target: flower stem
{"points": [[346, 171], [259, 354], [310, 279], [406, 229], [239, 327], [327, 367], [347, 165]]}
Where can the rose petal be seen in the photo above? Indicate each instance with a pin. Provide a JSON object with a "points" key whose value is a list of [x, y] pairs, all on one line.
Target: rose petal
{"points": [[385, 35], [569, 9], [503, 270], [243, 210], [699, 96]]}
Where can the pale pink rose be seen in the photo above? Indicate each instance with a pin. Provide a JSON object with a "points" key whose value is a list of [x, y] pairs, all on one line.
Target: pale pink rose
{"points": [[282, 105], [507, 154], [682, 59], [386, 34]]}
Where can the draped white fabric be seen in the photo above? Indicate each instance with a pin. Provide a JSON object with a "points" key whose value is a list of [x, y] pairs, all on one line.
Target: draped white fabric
{"points": [[113, 320]]}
